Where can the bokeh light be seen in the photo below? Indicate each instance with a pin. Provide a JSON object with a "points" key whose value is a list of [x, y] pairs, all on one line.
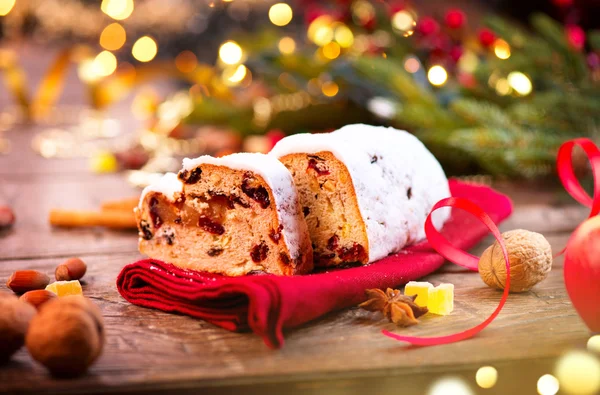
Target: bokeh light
{"points": [[280, 14], [6, 6], [520, 83], [437, 75], [144, 49], [323, 35], [502, 87], [105, 64], [320, 31], [593, 344], [547, 385], [230, 52], [578, 373], [330, 88], [117, 9], [486, 376], [403, 21], [286, 45], [113, 37], [86, 70], [501, 49], [331, 50], [468, 62], [412, 64], [344, 36], [186, 61], [235, 74], [450, 385]]}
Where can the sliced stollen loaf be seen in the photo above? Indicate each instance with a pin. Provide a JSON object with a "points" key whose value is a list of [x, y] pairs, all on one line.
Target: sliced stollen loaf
{"points": [[231, 215], [365, 191]]}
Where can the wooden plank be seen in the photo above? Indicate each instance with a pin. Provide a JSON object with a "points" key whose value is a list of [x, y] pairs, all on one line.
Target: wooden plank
{"points": [[31, 200], [151, 348]]}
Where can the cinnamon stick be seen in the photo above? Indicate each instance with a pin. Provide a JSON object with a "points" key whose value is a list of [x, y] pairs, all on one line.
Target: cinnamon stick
{"points": [[126, 204], [117, 219]]}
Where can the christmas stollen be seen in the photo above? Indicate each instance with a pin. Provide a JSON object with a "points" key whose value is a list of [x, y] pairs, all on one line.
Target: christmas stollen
{"points": [[232, 215], [267, 304], [365, 191]]}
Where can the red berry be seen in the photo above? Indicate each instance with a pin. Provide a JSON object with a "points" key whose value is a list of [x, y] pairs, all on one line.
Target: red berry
{"points": [[575, 36], [486, 37], [427, 26], [455, 53], [455, 18]]}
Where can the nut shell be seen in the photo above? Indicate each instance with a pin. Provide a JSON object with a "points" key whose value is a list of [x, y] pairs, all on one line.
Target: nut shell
{"points": [[38, 297], [66, 336], [530, 258], [15, 316], [71, 269], [22, 281]]}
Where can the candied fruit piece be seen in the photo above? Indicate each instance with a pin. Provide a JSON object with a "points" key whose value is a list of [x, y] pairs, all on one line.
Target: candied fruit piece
{"points": [[65, 288], [421, 289], [441, 299]]}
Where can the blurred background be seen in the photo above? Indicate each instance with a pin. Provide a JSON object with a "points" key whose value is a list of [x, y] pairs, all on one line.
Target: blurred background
{"points": [[491, 87]]}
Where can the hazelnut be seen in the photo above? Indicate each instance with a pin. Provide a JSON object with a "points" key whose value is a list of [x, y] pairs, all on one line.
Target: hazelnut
{"points": [[66, 336], [71, 269], [22, 281], [15, 316], [530, 258]]}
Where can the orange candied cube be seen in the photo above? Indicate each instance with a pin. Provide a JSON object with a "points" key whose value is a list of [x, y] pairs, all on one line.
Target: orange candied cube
{"points": [[65, 288]]}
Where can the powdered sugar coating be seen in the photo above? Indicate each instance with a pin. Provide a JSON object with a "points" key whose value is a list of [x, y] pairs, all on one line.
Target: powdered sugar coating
{"points": [[279, 179], [396, 179], [168, 185]]}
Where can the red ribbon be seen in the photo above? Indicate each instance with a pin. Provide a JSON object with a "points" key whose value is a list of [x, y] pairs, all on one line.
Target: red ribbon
{"points": [[567, 176], [462, 258]]}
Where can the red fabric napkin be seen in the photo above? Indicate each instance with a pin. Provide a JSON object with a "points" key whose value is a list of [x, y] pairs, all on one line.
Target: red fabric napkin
{"points": [[266, 304]]}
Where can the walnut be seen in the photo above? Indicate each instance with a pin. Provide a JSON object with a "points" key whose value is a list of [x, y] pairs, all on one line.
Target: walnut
{"points": [[66, 336], [530, 258], [15, 316]]}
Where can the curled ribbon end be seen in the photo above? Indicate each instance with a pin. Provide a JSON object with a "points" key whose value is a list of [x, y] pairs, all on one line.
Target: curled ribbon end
{"points": [[462, 258]]}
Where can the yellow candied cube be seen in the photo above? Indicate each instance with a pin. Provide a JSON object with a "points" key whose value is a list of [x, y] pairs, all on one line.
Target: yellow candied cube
{"points": [[421, 289], [65, 288], [441, 299]]}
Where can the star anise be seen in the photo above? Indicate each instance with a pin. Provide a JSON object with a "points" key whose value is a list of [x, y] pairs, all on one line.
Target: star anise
{"points": [[399, 309]]}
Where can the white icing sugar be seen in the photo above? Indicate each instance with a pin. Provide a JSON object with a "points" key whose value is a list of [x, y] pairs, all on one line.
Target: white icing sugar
{"points": [[386, 166], [169, 185], [279, 179]]}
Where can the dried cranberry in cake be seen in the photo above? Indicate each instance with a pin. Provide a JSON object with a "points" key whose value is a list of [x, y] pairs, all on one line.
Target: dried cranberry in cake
{"points": [[215, 251], [190, 177], [156, 220], [275, 235], [332, 243], [259, 252], [241, 216], [210, 226], [324, 257], [146, 232], [252, 188], [356, 253], [318, 165], [285, 258]]}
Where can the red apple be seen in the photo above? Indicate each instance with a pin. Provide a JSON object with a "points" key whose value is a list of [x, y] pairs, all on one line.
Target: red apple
{"points": [[582, 272]]}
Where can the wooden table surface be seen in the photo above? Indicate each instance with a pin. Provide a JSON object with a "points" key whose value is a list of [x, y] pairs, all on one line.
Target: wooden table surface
{"points": [[343, 352]]}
